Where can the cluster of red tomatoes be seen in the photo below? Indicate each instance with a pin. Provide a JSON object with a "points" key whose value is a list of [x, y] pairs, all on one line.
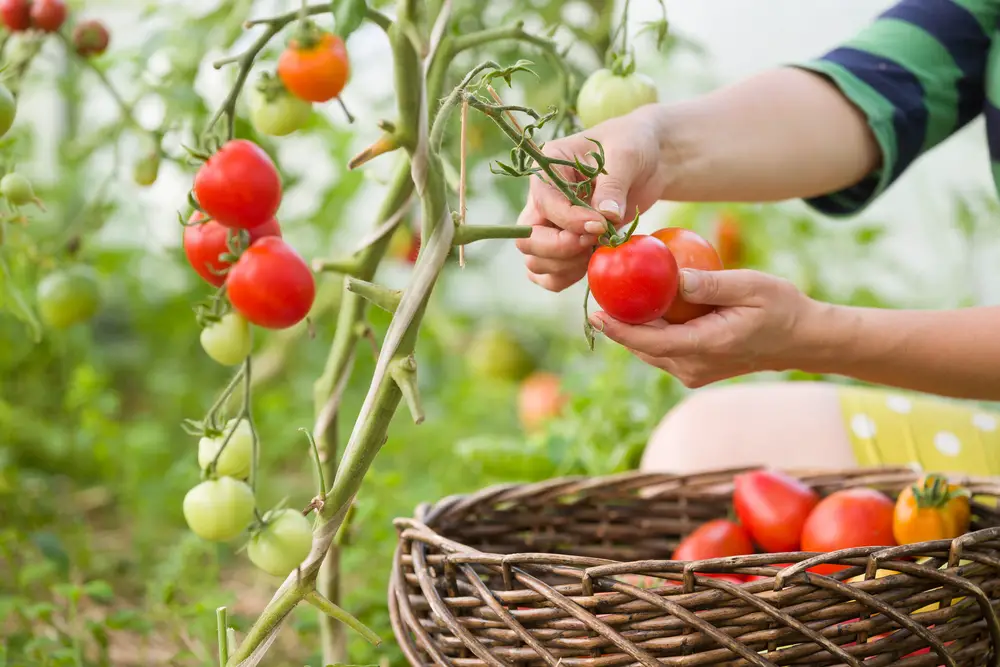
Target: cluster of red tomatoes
{"points": [[239, 244], [778, 513], [637, 281], [90, 38]]}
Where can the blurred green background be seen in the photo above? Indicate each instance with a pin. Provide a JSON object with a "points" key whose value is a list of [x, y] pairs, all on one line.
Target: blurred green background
{"points": [[96, 565]]}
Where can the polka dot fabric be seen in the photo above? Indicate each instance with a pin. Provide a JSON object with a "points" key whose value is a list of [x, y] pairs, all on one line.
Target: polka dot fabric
{"points": [[893, 428]]}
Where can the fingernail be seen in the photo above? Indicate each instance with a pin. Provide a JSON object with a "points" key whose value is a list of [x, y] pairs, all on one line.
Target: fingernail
{"points": [[595, 227], [610, 207], [690, 281]]}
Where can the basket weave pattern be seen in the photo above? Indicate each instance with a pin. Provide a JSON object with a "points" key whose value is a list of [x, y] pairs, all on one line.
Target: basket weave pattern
{"points": [[525, 575]]}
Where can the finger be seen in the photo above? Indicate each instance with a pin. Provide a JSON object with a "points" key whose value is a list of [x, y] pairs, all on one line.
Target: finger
{"points": [[541, 266], [737, 287], [555, 282], [611, 189], [553, 206], [656, 338], [552, 243]]}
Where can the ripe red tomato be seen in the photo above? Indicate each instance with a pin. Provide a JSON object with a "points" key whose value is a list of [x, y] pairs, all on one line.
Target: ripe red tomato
{"points": [[539, 399], [849, 518], [271, 285], [205, 242], [316, 72], [90, 38], [48, 15], [773, 507], [729, 241], [636, 281], [691, 252], [715, 539], [16, 14], [239, 186]]}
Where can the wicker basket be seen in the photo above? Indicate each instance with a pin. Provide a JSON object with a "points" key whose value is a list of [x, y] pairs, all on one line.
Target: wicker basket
{"points": [[531, 574]]}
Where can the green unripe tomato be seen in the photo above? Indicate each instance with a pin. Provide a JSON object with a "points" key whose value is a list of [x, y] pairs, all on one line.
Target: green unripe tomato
{"points": [[218, 510], [497, 354], [228, 341], [235, 460], [147, 169], [69, 296], [605, 95], [17, 189], [282, 544], [277, 113], [8, 109]]}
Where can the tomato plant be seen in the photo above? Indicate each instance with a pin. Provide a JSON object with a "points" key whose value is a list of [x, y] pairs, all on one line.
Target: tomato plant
{"points": [[8, 109], [236, 457], [271, 285], [691, 252], [276, 112], [606, 95], [90, 38], [635, 281], [218, 510], [205, 243], [773, 506], [315, 68], [850, 518], [715, 539], [48, 15], [228, 341], [69, 296], [239, 186], [281, 543], [539, 399], [16, 14], [931, 509]]}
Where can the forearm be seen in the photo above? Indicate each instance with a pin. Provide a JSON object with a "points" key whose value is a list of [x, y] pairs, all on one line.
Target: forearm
{"points": [[951, 353], [782, 134]]}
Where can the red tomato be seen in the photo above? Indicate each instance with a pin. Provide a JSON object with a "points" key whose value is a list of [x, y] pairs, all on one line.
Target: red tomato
{"points": [[315, 73], [48, 15], [773, 507], [90, 38], [204, 243], [636, 281], [16, 14], [716, 539], [271, 285], [849, 518], [539, 399], [691, 252], [729, 241], [239, 186]]}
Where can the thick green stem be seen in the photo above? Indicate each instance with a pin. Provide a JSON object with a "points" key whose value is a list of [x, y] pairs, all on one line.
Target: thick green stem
{"points": [[330, 609], [466, 234]]}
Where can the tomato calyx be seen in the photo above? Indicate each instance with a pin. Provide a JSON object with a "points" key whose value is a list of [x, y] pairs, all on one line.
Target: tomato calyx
{"points": [[936, 492], [306, 36], [270, 86], [621, 64], [612, 238]]}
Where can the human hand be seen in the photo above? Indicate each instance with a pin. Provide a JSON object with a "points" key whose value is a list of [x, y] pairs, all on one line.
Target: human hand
{"points": [[760, 323], [557, 252]]}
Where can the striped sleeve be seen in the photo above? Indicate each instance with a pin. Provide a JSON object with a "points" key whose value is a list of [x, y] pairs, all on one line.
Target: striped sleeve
{"points": [[918, 75]]}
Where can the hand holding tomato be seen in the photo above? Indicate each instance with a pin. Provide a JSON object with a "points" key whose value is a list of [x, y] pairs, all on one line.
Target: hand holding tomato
{"points": [[638, 164], [760, 323]]}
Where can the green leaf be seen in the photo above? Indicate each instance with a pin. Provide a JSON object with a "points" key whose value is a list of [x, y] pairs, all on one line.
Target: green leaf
{"points": [[348, 15], [99, 591]]}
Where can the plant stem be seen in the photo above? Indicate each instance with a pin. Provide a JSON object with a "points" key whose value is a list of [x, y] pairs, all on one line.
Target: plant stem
{"points": [[471, 233], [222, 622]]}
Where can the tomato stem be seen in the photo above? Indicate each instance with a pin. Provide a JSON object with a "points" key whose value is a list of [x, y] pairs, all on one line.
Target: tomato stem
{"points": [[404, 374], [333, 611], [383, 297], [321, 493], [222, 625]]}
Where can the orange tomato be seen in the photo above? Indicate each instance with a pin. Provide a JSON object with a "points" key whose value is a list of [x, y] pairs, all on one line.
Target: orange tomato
{"points": [[931, 509], [729, 240], [539, 399], [691, 252], [315, 72]]}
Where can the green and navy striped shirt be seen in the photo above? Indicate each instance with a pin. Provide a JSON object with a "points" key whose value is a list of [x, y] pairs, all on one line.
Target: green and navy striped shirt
{"points": [[922, 71]]}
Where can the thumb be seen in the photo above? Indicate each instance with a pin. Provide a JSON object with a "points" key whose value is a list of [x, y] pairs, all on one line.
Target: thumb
{"points": [[738, 287], [611, 194]]}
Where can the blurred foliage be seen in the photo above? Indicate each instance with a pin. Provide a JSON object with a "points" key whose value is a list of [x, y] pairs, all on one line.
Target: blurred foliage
{"points": [[96, 566]]}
